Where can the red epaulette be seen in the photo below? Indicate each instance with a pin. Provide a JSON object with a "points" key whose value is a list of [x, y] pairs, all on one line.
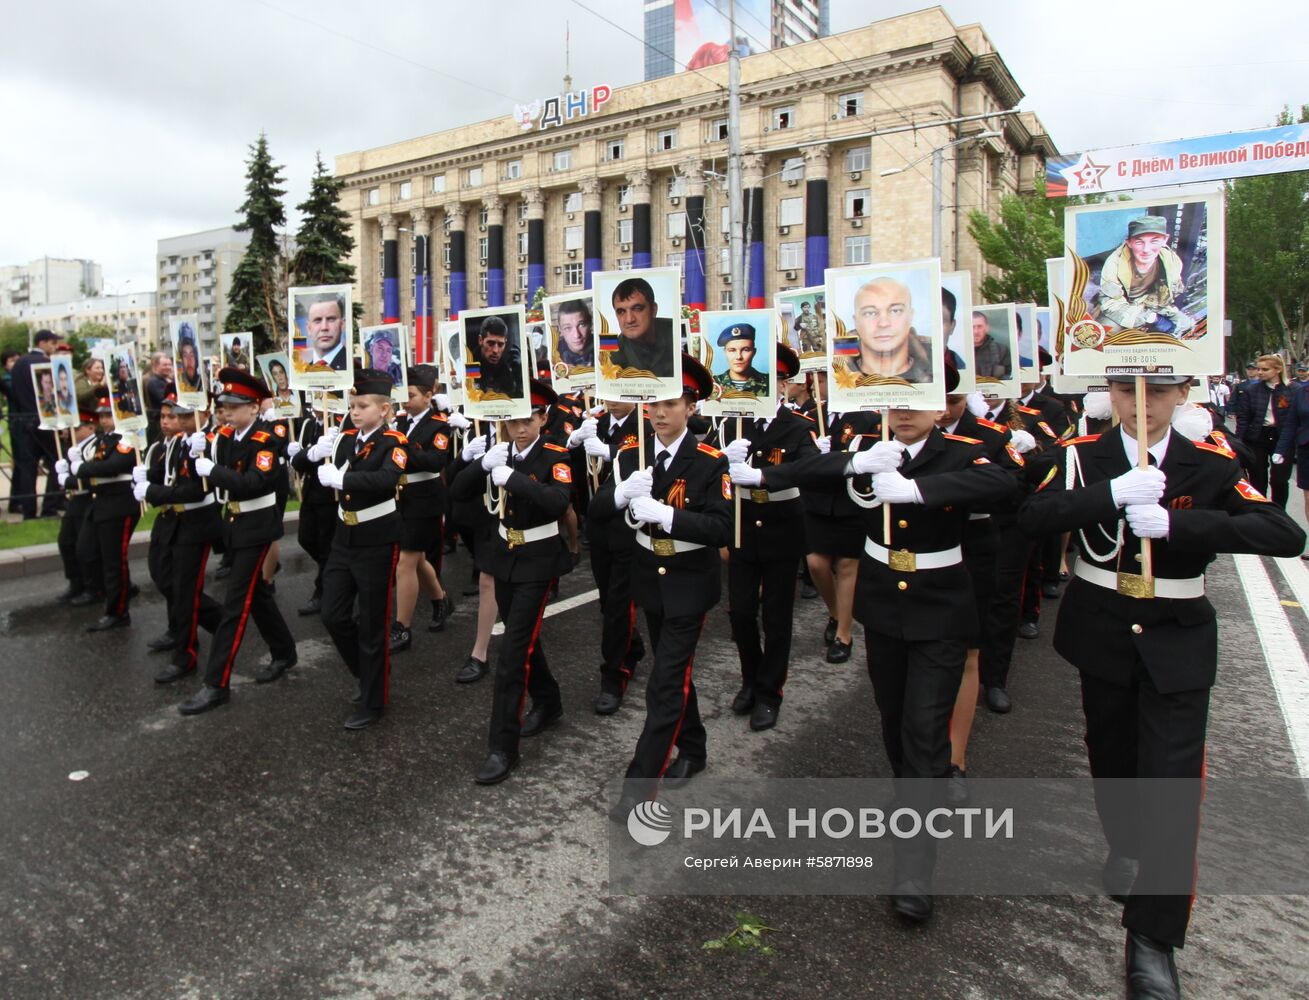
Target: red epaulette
{"points": [[1026, 409], [1217, 449], [555, 447], [397, 435], [226, 430], [437, 417], [992, 424], [1086, 439], [260, 436], [801, 413], [709, 449], [352, 430], [628, 446], [960, 437]]}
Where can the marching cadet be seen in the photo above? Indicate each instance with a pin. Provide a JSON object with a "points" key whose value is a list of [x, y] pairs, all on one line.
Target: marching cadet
{"points": [[476, 525], [422, 506], [915, 601], [186, 526], [762, 571], [157, 555], [1147, 652], [363, 465], [318, 517], [84, 578], [245, 469], [107, 474], [526, 556], [678, 497]]}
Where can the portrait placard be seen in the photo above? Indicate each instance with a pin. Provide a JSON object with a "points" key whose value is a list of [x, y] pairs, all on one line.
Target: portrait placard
{"points": [[995, 346], [1029, 365], [450, 360], [956, 310], [124, 380], [320, 320], [496, 363], [1143, 286], [885, 343], [43, 384], [385, 348], [570, 336], [190, 373], [638, 336], [238, 349], [1066, 385], [739, 348], [276, 371], [803, 316], [65, 389]]}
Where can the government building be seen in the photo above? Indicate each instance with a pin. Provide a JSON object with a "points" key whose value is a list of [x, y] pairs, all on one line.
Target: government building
{"points": [[838, 135]]}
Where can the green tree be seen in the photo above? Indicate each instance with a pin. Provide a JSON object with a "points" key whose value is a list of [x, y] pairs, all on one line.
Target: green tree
{"points": [[323, 241], [1029, 229], [1268, 260], [257, 297], [14, 334]]}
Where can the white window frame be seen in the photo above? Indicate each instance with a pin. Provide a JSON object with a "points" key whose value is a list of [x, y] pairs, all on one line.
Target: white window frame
{"points": [[790, 211], [572, 237], [573, 201], [405, 190], [615, 146], [783, 117], [858, 158], [793, 169], [561, 159], [473, 177], [374, 196], [853, 211], [850, 105], [675, 225], [790, 255], [522, 242], [625, 229], [858, 250], [574, 275], [666, 140], [438, 184]]}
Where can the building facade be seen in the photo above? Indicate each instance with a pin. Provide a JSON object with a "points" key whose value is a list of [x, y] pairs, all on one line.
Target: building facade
{"points": [[485, 214], [195, 275], [134, 317], [47, 280]]}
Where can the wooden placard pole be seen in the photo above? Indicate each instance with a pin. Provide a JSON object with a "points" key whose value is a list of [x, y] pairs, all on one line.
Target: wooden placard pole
{"points": [[886, 507], [1143, 462], [818, 407], [736, 500]]}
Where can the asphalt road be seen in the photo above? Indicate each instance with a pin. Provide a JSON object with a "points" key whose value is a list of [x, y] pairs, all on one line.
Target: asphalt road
{"points": [[261, 851]]}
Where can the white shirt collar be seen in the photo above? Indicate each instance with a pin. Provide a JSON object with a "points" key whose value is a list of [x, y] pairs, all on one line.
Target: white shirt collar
{"points": [[952, 428], [1158, 450], [1026, 400], [361, 437], [519, 454], [241, 435], [912, 450], [672, 449]]}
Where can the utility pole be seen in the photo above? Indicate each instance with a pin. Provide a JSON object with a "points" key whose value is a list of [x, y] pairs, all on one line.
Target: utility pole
{"points": [[734, 223]]}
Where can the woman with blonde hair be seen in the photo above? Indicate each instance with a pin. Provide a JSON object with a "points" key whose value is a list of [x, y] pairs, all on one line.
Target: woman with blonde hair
{"points": [[1261, 411]]}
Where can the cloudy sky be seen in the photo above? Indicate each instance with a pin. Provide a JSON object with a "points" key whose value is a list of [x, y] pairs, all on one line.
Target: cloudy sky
{"points": [[127, 122]]}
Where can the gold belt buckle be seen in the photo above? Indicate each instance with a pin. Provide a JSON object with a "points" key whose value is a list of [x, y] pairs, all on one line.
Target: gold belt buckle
{"points": [[663, 546], [759, 496], [233, 507], [404, 479], [902, 561], [1135, 585], [350, 517], [515, 537]]}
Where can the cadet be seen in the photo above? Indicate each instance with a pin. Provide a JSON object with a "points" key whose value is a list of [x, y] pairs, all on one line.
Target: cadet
{"points": [[244, 471], [318, 517], [526, 555], [762, 572], [679, 499], [84, 579], [1148, 654]]}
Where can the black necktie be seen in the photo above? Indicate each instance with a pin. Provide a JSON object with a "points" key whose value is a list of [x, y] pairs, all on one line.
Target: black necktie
{"points": [[661, 464]]}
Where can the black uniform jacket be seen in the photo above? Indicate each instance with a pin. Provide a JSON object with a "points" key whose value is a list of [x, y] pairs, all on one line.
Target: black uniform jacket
{"points": [[776, 525], [615, 533], [248, 468], [372, 475], [312, 492], [173, 484], [429, 444], [110, 459], [1211, 509], [696, 484]]}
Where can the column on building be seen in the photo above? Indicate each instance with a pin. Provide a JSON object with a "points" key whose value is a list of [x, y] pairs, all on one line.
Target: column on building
{"points": [[422, 285], [458, 259], [752, 184], [390, 269], [592, 248], [495, 250], [638, 184], [694, 266], [816, 253], [535, 199]]}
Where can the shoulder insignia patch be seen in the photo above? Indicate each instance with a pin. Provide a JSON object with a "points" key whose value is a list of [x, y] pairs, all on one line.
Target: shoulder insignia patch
{"points": [[440, 442], [259, 436], [1047, 428], [1086, 439], [400, 457], [1015, 454], [981, 460], [727, 486], [551, 446], [264, 461], [561, 472], [279, 430], [708, 449], [122, 447], [960, 437], [1249, 492]]}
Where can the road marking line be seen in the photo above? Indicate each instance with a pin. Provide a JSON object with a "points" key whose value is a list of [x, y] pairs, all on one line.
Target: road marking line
{"points": [[1297, 575], [1282, 653], [559, 607]]}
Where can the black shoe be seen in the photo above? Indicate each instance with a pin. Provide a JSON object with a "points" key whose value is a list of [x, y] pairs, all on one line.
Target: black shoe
{"points": [[912, 902], [838, 651], [1050, 591], [1117, 875], [358, 697], [84, 598], [956, 786], [275, 669], [743, 702], [829, 633], [1151, 969], [576, 558], [540, 718], [133, 591], [496, 768], [203, 700], [623, 808], [441, 612], [314, 606], [681, 771], [608, 704], [105, 622], [223, 571], [67, 596], [362, 718], [997, 700], [808, 591], [472, 671], [401, 638], [1029, 630], [763, 716], [161, 643], [635, 652], [171, 673]]}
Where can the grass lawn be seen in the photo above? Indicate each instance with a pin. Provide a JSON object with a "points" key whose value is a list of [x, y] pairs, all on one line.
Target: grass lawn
{"points": [[46, 530]]}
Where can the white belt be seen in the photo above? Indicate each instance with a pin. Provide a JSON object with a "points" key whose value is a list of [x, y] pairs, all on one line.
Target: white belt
{"points": [[1182, 589], [665, 546], [417, 477], [978, 517], [521, 536], [178, 508], [904, 561], [764, 496], [353, 517], [127, 478], [247, 506]]}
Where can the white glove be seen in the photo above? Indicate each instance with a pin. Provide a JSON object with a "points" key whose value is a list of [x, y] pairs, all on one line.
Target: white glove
{"points": [[500, 474], [294, 448], [198, 442], [976, 404], [648, 510], [204, 466], [893, 487], [824, 444], [737, 451], [1022, 441], [496, 456], [458, 421], [1195, 423], [324, 446], [1096, 405], [74, 465], [441, 402], [596, 448], [1138, 486], [583, 434], [885, 456], [138, 490], [745, 475], [1147, 520], [1278, 459], [330, 476], [74, 453], [62, 468], [474, 449], [638, 484], [138, 474]]}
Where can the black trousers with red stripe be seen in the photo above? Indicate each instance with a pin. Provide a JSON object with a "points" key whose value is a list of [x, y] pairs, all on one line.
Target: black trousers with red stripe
{"points": [[314, 532], [112, 539], [247, 596], [672, 713], [189, 607], [620, 642], [754, 570], [1000, 629], [521, 668], [361, 577]]}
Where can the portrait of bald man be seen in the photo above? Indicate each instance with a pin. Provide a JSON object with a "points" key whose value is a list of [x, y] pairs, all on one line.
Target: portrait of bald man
{"points": [[884, 323]]}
